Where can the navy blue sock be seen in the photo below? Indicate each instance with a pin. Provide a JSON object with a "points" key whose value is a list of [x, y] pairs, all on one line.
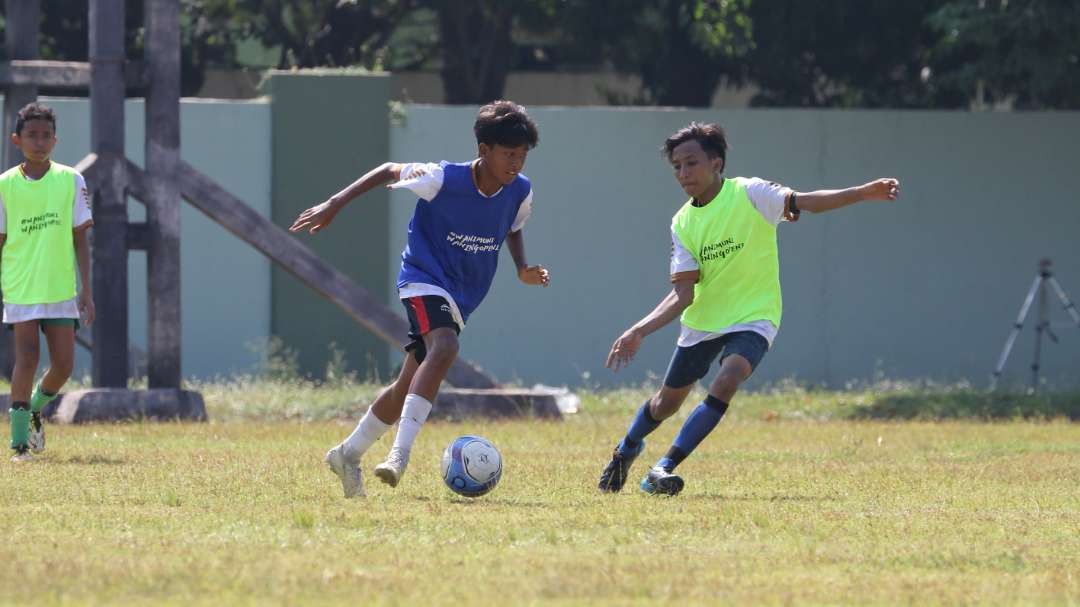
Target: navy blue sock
{"points": [[642, 425], [700, 423]]}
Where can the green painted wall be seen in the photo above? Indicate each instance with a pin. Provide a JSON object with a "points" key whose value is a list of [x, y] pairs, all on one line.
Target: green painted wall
{"points": [[225, 284], [328, 129], [927, 287]]}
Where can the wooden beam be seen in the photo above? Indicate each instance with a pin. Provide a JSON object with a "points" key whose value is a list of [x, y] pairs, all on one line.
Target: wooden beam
{"points": [[138, 237], [163, 204], [283, 249], [110, 275], [61, 74]]}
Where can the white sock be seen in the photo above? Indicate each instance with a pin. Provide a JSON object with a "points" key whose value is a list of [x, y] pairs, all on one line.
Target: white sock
{"points": [[413, 415], [369, 430]]}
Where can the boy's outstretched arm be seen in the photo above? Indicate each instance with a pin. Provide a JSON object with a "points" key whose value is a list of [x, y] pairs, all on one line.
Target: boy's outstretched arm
{"points": [[669, 308], [82, 257], [530, 275], [820, 201], [321, 215]]}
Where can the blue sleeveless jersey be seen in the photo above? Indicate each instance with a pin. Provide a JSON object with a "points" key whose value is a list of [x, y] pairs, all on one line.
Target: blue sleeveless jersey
{"points": [[454, 239]]}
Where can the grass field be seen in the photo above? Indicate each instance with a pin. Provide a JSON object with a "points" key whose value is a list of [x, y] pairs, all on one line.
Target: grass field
{"points": [[794, 499]]}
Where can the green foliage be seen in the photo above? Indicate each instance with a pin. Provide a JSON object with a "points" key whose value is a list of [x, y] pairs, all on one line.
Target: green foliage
{"points": [[1026, 52], [680, 49], [321, 33], [837, 53], [477, 48], [829, 53]]}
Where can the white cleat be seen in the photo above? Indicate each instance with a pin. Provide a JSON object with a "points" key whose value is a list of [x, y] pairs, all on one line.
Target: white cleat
{"points": [[37, 434], [391, 471], [22, 455], [352, 483]]}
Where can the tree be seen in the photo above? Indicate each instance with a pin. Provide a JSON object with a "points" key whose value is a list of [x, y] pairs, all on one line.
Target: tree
{"points": [[1025, 53], [681, 49], [837, 53], [205, 36], [314, 33], [477, 48]]}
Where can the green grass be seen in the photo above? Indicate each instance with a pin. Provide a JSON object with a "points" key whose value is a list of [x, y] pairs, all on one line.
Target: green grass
{"points": [[789, 501]]}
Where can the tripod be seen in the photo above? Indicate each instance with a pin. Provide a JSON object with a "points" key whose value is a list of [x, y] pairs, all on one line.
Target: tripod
{"points": [[1044, 278]]}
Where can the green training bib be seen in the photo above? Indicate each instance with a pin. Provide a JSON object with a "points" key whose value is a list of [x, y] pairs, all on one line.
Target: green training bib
{"points": [[38, 261], [736, 251]]}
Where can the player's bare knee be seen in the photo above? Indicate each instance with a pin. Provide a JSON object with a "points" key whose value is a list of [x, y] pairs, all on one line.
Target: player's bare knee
{"points": [[61, 369], [666, 402]]}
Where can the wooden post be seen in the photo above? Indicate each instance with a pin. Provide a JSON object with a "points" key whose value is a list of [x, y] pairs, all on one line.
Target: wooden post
{"points": [[110, 272], [22, 43], [163, 203]]}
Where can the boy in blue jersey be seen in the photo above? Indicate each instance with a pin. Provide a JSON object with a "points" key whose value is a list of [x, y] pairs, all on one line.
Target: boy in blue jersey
{"points": [[726, 289], [464, 214]]}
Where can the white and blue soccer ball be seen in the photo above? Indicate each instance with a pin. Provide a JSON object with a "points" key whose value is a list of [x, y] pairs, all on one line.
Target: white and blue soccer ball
{"points": [[471, 466]]}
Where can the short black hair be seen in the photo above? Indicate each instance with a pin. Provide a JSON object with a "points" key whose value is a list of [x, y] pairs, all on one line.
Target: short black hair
{"points": [[34, 111], [710, 136], [505, 123]]}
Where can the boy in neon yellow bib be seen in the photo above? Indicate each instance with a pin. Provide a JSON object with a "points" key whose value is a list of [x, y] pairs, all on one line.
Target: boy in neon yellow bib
{"points": [[44, 216], [726, 275]]}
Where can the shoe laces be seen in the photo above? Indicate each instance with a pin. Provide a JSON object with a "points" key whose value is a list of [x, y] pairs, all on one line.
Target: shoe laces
{"points": [[397, 457]]}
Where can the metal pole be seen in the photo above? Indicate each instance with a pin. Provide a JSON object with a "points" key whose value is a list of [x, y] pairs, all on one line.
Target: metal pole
{"points": [[110, 275], [1070, 307], [163, 205], [1017, 326], [1039, 328]]}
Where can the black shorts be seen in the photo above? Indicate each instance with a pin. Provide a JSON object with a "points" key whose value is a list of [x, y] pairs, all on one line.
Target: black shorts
{"points": [[426, 313], [690, 364]]}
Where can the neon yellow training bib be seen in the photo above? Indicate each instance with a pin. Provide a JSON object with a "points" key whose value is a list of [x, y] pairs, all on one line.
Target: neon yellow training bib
{"points": [[735, 248], [38, 261]]}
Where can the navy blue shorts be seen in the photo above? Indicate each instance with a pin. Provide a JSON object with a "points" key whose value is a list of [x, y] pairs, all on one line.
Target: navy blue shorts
{"points": [[690, 364], [426, 313]]}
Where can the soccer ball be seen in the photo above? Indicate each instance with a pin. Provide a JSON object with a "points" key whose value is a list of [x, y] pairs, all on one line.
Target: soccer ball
{"points": [[471, 466]]}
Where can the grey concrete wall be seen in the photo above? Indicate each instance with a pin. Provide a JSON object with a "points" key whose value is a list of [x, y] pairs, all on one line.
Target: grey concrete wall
{"points": [[924, 288], [225, 283]]}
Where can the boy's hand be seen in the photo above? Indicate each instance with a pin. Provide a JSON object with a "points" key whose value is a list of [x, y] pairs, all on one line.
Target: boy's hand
{"points": [[534, 275], [316, 218], [881, 189], [86, 307], [623, 350]]}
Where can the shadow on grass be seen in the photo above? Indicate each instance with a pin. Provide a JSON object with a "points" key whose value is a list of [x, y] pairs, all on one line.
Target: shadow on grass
{"points": [[478, 501], [751, 497], [91, 460], [970, 405]]}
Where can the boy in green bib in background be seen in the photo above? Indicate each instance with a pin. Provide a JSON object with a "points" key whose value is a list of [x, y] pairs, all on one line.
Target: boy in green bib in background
{"points": [[44, 216], [726, 275]]}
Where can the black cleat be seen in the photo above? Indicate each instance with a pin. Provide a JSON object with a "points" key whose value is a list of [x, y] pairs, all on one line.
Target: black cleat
{"points": [[613, 477]]}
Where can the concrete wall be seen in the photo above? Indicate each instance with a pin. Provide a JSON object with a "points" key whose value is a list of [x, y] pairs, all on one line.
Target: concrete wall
{"points": [[924, 288], [927, 287], [329, 129], [226, 284]]}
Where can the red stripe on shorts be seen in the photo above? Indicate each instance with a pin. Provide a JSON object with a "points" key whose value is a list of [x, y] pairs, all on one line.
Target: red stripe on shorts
{"points": [[421, 314]]}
